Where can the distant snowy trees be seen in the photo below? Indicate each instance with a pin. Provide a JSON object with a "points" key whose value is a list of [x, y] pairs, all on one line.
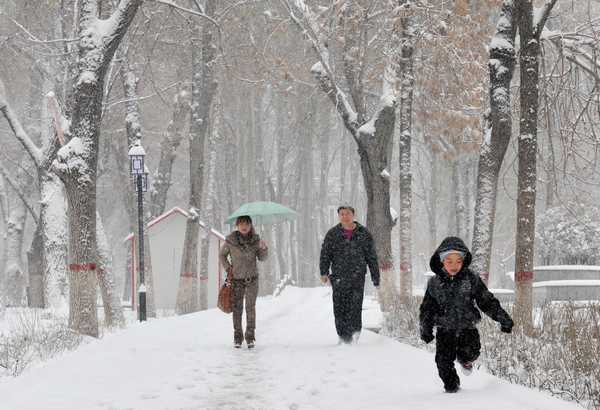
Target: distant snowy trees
{"points": [[567, 234], [311, 94]]}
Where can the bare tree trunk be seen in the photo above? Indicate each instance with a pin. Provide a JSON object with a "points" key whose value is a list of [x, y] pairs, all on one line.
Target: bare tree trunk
{"points": [[53, 220], [306, 257], [323, 218], [459, 195], [241, 194], [161, 180], [343, 166], [281, 154], [35, 260], [469, 196], [14, 275], [209, 205], [113, 311], [432, 205], [187, 292], [127, 286], [294, 250], [496, 137], [406, 101]]}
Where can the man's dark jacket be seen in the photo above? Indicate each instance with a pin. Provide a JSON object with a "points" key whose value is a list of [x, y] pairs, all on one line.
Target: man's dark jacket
{"points": [[349, 259], [449, 302]]}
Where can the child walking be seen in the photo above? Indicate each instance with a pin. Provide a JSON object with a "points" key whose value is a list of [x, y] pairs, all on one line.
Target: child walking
{"points": [[449, 305]]}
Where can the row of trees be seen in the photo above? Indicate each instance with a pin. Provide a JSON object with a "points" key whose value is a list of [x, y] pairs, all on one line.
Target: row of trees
{"points": [[290, 101]]}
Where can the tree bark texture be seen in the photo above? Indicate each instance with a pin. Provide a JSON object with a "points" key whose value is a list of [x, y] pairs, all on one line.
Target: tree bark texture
{"points": [[14, 275], [530, 32], [209, 206], [35, 261], [307, 257], [281, 156], [113, 311], [405, 144], [53, 220], [161, 180], [496, 137]]}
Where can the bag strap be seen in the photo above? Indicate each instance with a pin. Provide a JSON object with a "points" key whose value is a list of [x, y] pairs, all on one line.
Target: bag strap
{"points": [[230, 273]]}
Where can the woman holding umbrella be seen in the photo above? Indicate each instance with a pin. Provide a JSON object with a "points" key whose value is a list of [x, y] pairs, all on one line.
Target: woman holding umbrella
{"points": [[244, 247]]}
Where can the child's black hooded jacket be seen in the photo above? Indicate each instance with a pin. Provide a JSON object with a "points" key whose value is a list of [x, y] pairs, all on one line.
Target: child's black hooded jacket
{"points": [[450, 302]]}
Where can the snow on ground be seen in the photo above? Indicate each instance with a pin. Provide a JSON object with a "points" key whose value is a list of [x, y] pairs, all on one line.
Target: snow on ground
{"points": [[188, 362]]}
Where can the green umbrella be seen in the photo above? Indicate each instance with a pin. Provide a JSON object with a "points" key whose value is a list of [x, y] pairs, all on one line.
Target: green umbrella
{"points": [[264, 213]]}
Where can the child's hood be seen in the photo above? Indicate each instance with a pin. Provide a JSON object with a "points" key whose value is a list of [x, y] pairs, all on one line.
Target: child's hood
{"points": [[450, 243]]}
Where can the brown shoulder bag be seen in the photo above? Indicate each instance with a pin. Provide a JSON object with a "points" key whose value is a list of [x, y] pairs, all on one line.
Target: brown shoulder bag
{"points": [[225, 300]]}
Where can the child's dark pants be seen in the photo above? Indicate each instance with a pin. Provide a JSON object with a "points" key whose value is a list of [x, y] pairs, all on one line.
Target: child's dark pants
{"points": [[462, 345]]}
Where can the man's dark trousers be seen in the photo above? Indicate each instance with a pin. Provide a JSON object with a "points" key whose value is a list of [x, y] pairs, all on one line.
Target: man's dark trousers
{"points": [[347, 307]]}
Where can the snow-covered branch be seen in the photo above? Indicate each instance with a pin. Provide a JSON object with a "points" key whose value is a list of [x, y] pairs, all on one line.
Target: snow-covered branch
{"points": [[572, 46], [321, 69], [100, 38], [19, 190], [200, 14], [541, 15], [34, 152]]}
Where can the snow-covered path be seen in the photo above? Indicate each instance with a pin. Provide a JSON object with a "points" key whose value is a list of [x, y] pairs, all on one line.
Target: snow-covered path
{"points": [[188, 362]]}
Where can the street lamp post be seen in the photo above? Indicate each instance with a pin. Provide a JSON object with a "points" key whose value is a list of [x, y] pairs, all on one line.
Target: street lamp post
{"points": [[140, 175]]}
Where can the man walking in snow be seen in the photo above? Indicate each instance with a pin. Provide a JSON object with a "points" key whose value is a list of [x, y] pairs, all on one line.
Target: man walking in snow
{"points": [[348, 248]]}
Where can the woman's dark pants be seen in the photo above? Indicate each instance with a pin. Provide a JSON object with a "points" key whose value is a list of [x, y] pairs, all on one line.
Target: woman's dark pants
{"points": [[249, 291]]}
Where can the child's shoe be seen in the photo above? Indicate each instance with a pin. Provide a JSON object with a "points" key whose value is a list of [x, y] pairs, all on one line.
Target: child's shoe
{"points": [[237, 345], [452, 389], [467, 369], [251, 344]]}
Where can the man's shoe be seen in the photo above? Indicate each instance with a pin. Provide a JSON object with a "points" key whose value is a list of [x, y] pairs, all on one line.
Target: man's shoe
{"points": [[237, 345], [467, 369], [251, 345]]}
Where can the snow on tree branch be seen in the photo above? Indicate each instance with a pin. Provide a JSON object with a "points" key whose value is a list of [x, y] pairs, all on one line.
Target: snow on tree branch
{"points": [[321, 70], [15, 126], [70, 157], [99, 38], [540, 15], [19, 190]]}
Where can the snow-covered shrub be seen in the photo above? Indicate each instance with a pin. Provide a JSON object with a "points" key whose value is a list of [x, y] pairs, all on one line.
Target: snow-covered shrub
{"points": [[569, 235], [27, 337], [561, 357], [402, 321]]}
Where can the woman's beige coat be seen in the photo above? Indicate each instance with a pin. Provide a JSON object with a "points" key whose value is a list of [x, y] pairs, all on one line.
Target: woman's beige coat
{"points": [[243, 253]]}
